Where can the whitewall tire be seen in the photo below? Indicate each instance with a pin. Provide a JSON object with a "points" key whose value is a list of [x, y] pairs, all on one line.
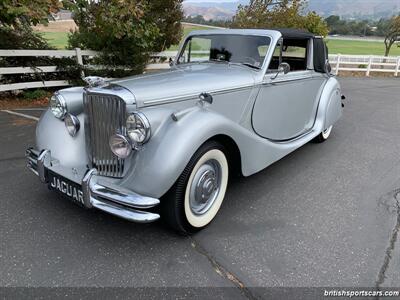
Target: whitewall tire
{"points": [[195, 199], [324, 135]]}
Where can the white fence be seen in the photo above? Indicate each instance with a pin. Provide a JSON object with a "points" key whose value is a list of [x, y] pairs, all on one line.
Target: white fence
{"points": [[352, 63], [159, 61], [365, 63]]}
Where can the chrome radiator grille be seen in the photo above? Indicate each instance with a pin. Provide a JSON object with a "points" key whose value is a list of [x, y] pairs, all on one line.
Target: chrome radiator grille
{"points": [[104, 116]]}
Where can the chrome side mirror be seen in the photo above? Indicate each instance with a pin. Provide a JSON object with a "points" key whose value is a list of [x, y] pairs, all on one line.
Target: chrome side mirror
{"points": [[283, 68]]}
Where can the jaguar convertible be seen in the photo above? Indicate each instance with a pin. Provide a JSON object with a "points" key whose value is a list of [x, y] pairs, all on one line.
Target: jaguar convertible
{"points": [[165, 144]]}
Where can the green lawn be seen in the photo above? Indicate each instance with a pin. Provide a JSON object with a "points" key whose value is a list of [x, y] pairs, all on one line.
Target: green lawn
{"points": [[186, 30], [360, 48], [59, 40]]}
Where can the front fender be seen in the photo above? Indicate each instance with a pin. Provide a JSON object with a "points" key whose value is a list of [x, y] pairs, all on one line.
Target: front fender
{"points": [[51, 134], [160, 162]]}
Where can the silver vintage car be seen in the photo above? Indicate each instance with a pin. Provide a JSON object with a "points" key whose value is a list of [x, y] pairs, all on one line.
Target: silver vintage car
{"points": [[164, 144]]}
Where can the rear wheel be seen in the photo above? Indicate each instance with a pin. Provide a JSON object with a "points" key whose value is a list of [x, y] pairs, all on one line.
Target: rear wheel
{"points": [[324, 135], [196, 197]]}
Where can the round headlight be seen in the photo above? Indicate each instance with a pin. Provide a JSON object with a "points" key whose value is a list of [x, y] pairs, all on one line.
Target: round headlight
{"points": [[138, 128], [58, 106], [72, 124], [120, 146]]}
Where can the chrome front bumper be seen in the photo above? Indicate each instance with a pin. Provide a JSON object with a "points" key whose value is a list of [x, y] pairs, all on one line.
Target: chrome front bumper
{"points": [[108, 197]]}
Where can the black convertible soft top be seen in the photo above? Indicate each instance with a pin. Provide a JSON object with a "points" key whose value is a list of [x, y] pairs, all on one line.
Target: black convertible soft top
{"points": [[290, 33], [320, 52]]}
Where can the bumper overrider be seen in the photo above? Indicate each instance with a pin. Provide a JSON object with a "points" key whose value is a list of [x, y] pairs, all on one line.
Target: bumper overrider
{"points": [[110, 198]]}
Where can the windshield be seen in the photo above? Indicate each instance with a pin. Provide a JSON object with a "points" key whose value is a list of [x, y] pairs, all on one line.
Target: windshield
{"points": [[248, 50]]}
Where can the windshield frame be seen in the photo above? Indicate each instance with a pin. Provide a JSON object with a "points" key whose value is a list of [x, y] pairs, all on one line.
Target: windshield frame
{"points": [[208, 33]]}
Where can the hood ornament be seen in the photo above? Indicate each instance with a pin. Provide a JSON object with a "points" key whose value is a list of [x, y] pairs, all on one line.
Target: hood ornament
{"points": [[95, 81]]}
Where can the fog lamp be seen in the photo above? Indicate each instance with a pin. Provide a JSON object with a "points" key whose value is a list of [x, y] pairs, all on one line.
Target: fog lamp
{"points": [[72, 124], [120, 146]]}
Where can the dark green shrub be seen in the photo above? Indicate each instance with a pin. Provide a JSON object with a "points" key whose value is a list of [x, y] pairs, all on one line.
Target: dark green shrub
{"points": [[125, 32], [34, 94]]}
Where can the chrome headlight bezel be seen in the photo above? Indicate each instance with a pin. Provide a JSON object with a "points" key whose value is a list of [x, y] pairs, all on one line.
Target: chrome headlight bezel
{"points": [[58, 106], [138, 128]]}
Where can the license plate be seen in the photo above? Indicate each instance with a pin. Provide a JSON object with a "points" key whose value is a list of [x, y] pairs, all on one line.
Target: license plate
{"points": [[66, 187]]}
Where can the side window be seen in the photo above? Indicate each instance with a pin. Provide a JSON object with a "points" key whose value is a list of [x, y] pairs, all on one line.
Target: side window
{"points": [[294, 52]]}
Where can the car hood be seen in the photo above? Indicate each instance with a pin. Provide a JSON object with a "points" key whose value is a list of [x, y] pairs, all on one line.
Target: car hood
{"points": [[186, 81]]}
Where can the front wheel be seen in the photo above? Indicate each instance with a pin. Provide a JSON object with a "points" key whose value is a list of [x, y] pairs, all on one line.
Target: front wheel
{"points": [[196, 197], [324, 135]]}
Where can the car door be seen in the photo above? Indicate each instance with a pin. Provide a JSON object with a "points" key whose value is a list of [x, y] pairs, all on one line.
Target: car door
{"points": [[286, 104]]}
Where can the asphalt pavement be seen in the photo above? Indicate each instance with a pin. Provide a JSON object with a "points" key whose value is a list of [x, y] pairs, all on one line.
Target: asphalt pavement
{"points": [[327, 215]]}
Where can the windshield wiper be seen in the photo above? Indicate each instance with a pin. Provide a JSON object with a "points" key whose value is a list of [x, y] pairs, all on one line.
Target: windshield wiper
{"points": [[231, 63], [250, 65]]}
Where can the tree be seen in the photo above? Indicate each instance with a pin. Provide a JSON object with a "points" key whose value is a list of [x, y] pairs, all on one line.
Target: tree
{"points": [[26, 12], [392, 34], [16, 19], [382, 27], [167, 14], [278, 14], [125, 32]]}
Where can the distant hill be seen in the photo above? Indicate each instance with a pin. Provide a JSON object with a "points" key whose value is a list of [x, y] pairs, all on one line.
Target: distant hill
{"points": [[208, 13], [371, 9], [358, 9], [212, 10]]}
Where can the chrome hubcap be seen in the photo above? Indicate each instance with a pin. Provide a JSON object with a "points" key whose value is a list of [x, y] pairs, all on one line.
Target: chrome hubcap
{"points": [[205, 187]]}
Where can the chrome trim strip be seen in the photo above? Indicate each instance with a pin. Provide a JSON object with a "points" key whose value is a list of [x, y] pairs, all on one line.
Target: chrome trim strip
{"points": [[196, 96], [268, 81], [291, 76]]}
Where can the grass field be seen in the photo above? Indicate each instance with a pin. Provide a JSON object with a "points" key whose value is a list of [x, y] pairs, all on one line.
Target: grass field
{"points": [[57, 39], [360, 48], [60, 39]]}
